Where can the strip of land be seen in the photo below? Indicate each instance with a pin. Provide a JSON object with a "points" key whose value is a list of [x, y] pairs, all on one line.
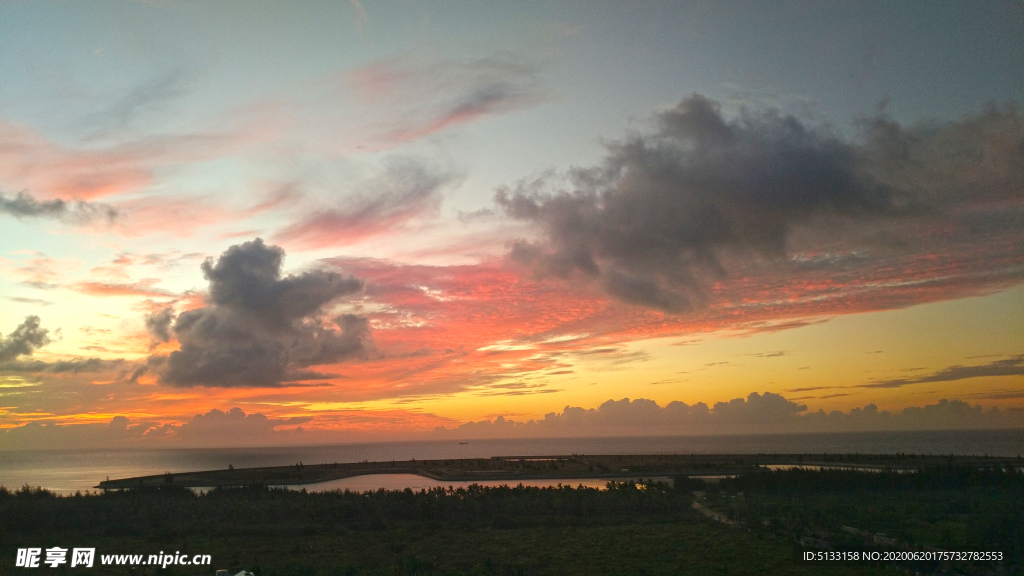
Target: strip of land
{"points": [[576, 466]]}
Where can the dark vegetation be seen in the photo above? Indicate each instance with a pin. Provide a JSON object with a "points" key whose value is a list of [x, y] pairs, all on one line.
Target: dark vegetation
{"points": [[951, 477], [628, 529], [763, 520], [954, 508]]}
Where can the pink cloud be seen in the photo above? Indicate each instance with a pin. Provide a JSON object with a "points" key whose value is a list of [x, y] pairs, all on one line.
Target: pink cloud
{"points": [[176, 216], [406, 191], [145, 287], [47, 169], [418, 98], [40, 271], [31, 162], [449, 328]]}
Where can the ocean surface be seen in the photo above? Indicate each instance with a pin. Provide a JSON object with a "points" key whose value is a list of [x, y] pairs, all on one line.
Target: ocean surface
{"points": [[67, 471]]}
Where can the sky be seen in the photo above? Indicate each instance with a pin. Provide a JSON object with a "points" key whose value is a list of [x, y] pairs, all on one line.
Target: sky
{"points": [[227, 223]]}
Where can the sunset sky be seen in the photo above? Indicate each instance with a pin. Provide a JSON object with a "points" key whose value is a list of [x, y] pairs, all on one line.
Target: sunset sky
{"points": [[272, 222]]}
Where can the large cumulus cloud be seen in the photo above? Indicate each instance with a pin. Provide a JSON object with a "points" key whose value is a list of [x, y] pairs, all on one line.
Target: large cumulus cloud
{"points": [[259, 328], [214, 428], [664, 213]]}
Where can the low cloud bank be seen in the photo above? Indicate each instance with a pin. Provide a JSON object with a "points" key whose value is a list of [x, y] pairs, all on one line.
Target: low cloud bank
{"points": [[215, 428], [224, 429], [757, 414]]}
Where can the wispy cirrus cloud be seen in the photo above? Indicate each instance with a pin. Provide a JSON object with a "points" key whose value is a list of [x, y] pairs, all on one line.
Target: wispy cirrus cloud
{"points": [[416, 97], [145, 99], [173, 216], [1013, 366], [117, 159], [35, 301], [29, 161], [405, 191], [39, 270], [145, 287], [124, 264], [362, 18]]}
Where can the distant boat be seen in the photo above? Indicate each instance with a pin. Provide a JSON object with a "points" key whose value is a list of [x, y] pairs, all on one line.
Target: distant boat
{"points": [[463, 442]]}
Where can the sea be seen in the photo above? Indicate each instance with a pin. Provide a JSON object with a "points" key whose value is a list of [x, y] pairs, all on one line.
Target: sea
{"points": [[68, 471]]}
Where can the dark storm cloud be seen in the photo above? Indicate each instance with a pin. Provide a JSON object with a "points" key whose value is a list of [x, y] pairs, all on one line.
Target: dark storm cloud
{"points": [[225, 349], [25, 339], [1013, 366], [158, 325], [24, 205], [259, 328], [665, 211], [247, 280], [977, 160]]}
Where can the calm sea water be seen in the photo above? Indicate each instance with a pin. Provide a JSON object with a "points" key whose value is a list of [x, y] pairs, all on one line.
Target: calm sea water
{"points": [[69, 470]]}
